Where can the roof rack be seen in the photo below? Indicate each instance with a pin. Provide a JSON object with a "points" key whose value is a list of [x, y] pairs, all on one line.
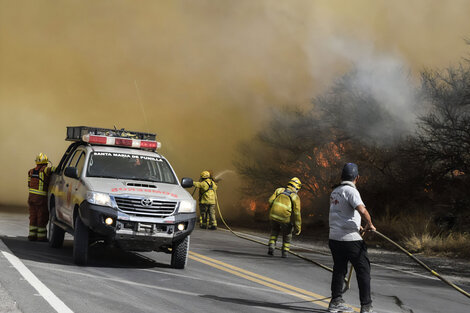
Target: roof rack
{"points": [[76, 133]]}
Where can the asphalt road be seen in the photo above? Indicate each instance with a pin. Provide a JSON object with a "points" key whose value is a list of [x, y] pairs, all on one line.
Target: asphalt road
{"points": [[224, 274]]}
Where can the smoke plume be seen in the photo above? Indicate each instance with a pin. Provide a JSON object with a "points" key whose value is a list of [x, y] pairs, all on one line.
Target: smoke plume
{"points": [[207, 71]]}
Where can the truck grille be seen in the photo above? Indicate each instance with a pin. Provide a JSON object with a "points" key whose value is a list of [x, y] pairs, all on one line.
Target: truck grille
{"points": [[154, 208]]}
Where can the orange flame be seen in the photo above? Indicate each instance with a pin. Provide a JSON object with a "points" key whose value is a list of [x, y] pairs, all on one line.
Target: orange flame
{"points": [[252, 206]]}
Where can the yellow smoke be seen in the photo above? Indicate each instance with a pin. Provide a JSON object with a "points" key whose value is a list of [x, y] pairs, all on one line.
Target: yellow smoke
{"points": [[206, 70]]}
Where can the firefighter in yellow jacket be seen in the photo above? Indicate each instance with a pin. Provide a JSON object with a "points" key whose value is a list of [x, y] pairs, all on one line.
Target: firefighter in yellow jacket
{"points": [[38, 183], [207, 199], [285, 215]]}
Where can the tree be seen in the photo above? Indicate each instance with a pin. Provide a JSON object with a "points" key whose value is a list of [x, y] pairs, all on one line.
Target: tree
{"points": [[444, 133], [350, 122], [443, 141]]}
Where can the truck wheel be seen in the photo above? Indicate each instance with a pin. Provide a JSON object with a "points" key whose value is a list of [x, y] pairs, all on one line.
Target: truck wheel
{"points": [[80, 242], [55, 233], [179, 254]]}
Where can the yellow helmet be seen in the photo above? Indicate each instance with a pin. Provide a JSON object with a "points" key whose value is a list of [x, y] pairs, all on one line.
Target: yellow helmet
{"points": [[205, 174], [295, 182], [41, 158]]}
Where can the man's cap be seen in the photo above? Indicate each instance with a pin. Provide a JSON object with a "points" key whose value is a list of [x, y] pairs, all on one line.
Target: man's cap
{"points": [[350, 172]]}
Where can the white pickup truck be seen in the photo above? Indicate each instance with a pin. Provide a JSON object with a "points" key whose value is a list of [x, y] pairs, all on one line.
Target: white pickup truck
{"points": [[112, 186]]}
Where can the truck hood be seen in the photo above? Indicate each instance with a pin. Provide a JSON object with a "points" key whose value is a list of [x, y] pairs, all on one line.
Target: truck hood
{"points": [[139, 188]]}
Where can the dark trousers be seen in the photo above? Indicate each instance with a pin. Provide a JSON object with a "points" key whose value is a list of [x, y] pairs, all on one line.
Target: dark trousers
{"points": [[280, 228], [38, 216], [207, 212], [356, 253]]}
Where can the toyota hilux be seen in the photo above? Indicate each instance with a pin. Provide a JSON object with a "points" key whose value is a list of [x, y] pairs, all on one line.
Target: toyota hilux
{"points": [[112, 186]]}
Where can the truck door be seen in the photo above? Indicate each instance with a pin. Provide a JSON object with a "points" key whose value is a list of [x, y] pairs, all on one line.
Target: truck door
{"points": [[60, 196], [63, 186], [72, 185]]}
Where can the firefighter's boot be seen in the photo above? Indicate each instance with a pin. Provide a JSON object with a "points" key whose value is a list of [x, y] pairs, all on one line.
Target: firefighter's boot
{"points": [[33, 233], [271, 248], [272, 244], [285, 249], [201, 223], [42, 234]]}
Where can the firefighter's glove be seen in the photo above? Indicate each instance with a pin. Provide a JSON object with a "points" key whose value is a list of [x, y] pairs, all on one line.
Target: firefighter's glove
{"points": [[297, 232]]}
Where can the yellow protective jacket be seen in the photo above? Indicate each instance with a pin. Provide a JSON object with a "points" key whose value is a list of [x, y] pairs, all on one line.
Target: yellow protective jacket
{"points": [[38, 179], [207, 190], [285, 207]]}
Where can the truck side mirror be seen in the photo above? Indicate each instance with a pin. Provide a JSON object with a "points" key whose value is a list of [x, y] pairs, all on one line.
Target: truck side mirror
{"points": [[187, 182], [71, 172]]}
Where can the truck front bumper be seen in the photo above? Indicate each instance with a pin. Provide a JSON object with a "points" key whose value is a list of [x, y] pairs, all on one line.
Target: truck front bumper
{"points": [[137, 233]]}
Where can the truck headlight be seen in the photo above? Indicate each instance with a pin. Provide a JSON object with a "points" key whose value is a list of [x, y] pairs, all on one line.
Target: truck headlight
{"points": [[99, 198], [187, 206]]}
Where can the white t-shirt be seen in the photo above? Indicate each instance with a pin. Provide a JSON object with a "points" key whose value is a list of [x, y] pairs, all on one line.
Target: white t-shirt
{"points": [[345, 220]]}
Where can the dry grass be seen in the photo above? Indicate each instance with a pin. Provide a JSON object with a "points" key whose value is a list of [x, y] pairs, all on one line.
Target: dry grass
{"points": [[418, 234], [454, 244], [404, 226]]}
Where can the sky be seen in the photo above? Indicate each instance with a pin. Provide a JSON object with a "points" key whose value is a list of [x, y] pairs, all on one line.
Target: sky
{"points": [[204, 75]]}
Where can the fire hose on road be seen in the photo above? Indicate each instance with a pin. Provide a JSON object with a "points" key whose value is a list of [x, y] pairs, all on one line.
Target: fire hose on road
{"points": [[423, 265], [348, 279], [243, 236]]}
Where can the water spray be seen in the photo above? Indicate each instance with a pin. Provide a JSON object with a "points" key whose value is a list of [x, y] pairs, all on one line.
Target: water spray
{"points": [[219, 175]]}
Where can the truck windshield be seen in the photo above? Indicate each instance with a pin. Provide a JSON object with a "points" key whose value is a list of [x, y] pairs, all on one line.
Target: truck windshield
{"points": [[130, 166]]}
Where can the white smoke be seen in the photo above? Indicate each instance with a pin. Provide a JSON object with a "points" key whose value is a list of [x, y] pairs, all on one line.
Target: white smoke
{"points": [[383, 76]]}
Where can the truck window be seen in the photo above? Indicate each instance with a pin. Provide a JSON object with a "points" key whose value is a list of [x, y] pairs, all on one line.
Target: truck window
{"points": [[80, 163], [130, 166], [74, 158]]}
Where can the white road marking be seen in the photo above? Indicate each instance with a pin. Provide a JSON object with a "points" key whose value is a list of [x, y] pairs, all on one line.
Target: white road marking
{"points": [[42, 289], [160, 272], [162, 288]]}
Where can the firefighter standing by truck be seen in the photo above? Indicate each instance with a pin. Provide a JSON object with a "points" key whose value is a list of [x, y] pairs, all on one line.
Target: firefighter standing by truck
{"points": [[38, 183], [285, 215], [207, 200]]}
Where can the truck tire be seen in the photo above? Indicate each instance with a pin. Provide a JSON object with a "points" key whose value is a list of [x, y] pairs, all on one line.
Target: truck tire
{"points": [[55, 233], [179, 253], [80, 242]]}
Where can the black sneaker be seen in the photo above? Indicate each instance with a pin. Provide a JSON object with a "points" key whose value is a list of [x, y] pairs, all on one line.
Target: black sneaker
{"points": [[213, 227], [271, 251], [339, 306], [367, 309]]}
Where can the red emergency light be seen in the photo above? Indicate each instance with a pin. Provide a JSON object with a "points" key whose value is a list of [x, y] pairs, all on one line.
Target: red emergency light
{"points": [[125, 142]]}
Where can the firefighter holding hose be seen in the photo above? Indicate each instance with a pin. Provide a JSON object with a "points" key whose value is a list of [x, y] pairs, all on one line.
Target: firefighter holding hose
{"points": [[207, 200], [38, 183], [284, 215], [345, 240]]}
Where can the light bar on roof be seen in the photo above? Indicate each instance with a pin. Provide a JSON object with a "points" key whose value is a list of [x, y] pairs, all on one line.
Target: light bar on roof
{"points": [[123, 142]]}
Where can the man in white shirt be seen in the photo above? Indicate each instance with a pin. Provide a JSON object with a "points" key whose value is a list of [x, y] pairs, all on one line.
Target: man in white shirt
{"points": [[345, 241]]}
